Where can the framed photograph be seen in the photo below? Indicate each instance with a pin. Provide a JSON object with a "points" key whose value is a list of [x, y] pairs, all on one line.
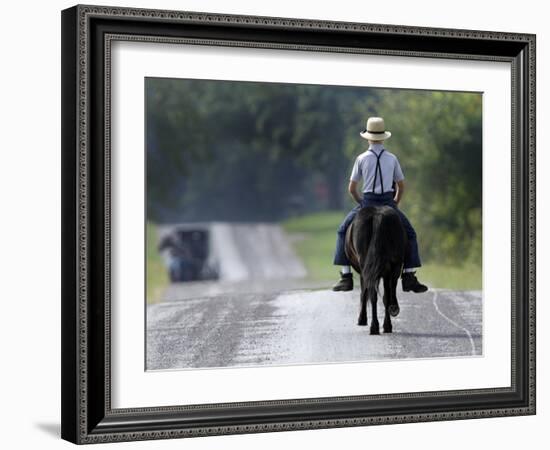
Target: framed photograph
{"points": [[276, 224]]}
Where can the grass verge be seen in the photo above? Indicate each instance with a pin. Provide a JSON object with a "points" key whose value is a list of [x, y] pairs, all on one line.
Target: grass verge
{"points": [[314, 238], [157, 278]]}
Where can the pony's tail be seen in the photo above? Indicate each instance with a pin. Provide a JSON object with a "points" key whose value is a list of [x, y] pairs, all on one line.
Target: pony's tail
{"points": [[373, 266]]}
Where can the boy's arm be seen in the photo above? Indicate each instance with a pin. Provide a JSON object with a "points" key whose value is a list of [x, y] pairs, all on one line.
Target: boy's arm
{"points": [[352, 189], [354, 181], [399, 178], [399, 192]]}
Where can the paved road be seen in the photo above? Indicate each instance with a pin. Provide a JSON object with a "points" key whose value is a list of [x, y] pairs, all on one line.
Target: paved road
{"points": [[244, 251], [199, 329]]}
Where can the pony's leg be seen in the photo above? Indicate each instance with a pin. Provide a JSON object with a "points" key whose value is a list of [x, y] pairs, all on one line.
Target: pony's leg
{"points": [[394, 304], [374, 326], [363, 310], [387, 304], [393, 307]]}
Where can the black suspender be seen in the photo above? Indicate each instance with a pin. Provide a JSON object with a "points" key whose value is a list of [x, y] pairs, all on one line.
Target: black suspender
{"points": [[378, 170]]}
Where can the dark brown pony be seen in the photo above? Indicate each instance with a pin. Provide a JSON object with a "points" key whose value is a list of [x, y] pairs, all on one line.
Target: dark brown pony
{"points": [[375, 245]]}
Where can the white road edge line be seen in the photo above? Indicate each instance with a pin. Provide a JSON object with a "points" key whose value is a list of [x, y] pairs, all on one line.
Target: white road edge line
{"points": [[472, 343]]}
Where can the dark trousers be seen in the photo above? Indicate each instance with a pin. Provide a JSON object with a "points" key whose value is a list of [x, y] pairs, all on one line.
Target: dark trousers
{"points": [[412, 259]]}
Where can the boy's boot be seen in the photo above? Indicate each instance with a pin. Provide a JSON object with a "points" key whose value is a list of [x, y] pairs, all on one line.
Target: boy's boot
{"points": [[345, 283], [409, 282]]}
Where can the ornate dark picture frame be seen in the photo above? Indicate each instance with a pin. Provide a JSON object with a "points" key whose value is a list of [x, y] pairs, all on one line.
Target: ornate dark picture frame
{"points": [[87, 34]]}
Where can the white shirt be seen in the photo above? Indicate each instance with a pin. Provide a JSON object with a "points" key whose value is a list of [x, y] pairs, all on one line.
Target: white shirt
{"points": [[365, 165]]}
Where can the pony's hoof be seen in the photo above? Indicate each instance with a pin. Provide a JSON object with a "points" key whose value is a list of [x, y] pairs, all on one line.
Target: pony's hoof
{"points": [[393, 310], [374, 330], [388, 329], [362, 321]]}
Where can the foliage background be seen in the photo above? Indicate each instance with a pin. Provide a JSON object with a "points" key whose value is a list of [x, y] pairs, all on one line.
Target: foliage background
{"points": [[243, 151]]}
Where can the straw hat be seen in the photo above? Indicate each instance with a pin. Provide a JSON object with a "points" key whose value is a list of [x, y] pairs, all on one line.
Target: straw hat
{"points": [[375, 130]]}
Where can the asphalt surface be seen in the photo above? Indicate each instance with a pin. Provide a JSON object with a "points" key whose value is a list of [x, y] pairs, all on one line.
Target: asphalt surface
{"points": [[245, 251], [219, 325]]}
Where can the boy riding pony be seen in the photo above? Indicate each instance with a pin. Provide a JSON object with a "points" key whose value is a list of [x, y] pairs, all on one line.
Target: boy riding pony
{"points": [[380, 172]]}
